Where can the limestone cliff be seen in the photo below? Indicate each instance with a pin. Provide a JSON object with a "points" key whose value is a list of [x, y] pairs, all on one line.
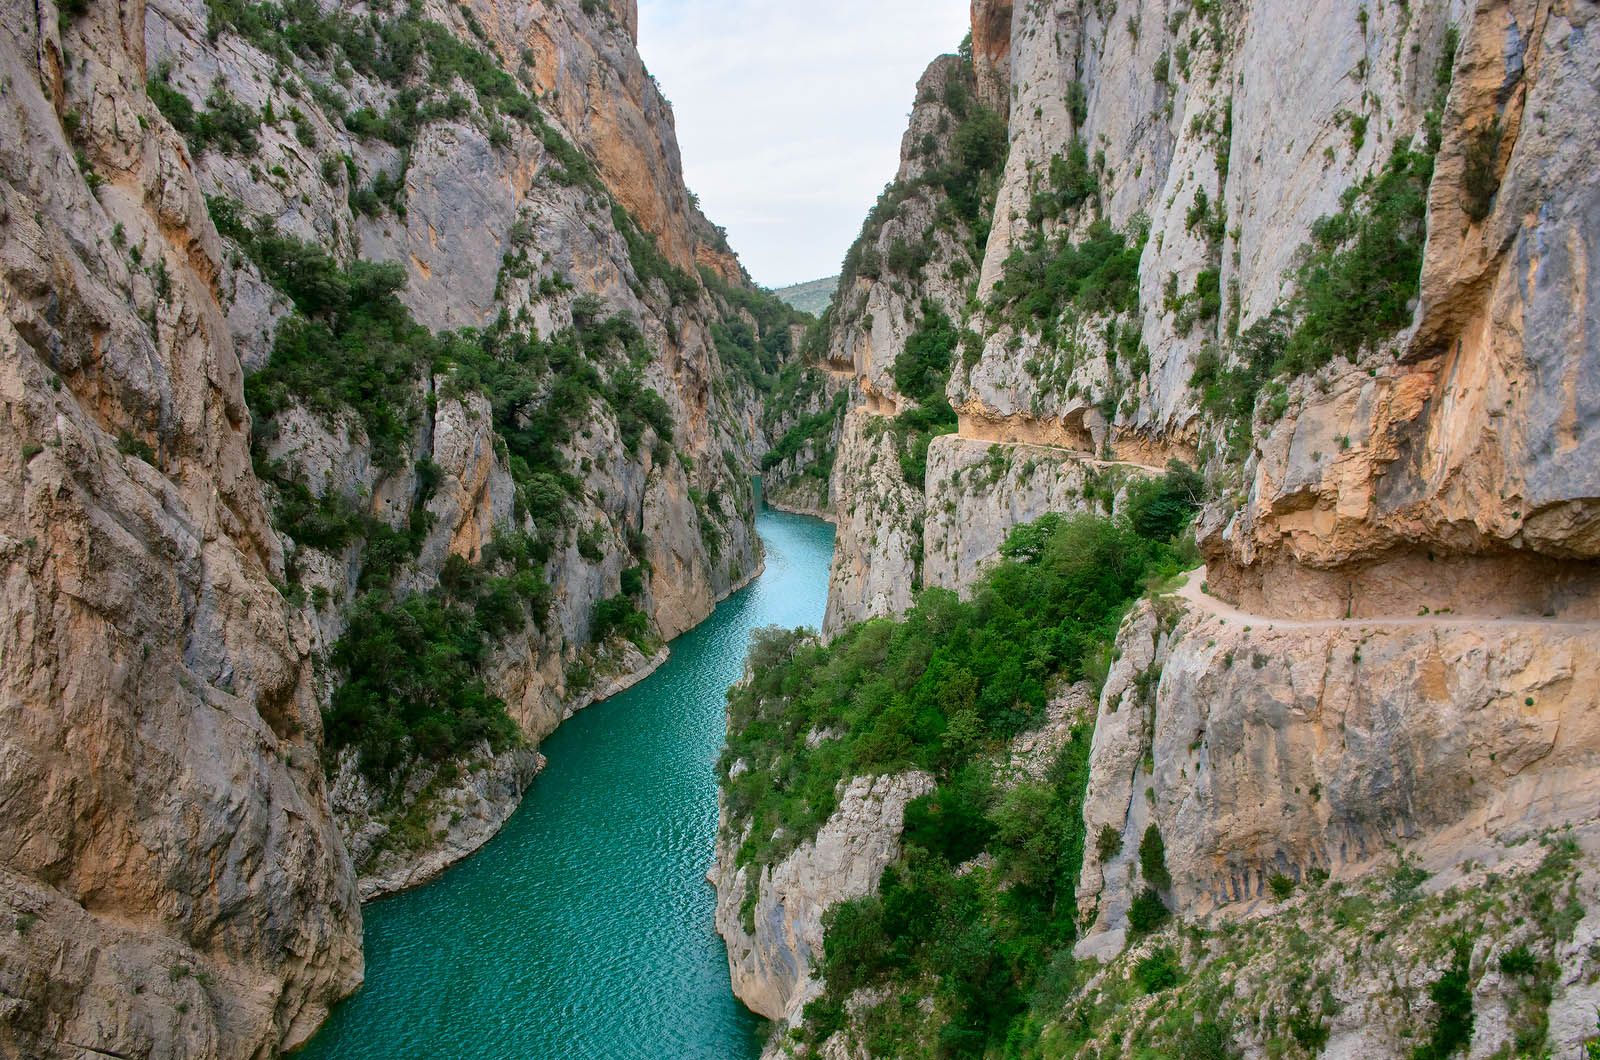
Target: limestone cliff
{"points": [[321, 329], [1352, 283], [172, 870], [905, 277], [773, 925]]}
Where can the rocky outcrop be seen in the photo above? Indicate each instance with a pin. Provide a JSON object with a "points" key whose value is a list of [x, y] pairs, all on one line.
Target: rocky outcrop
{"points": [[879, 516], [467, 803], [170, 864], [1401, 587], [991, 53], [980, 489], [915, 254], [773, 954], [180, 564], [497, 220], [1280, 747]]}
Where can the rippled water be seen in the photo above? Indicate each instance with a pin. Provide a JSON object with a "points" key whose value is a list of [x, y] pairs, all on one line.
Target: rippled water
{"points": [[584, 929]]}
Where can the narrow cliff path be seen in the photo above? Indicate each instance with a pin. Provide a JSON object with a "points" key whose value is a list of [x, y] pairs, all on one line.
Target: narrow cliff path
{"points": [[1068, 451], [1193, 593]]}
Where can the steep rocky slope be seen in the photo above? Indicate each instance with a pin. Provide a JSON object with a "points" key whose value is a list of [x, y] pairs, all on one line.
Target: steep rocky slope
{"points": [[1351, 285], [376, 397]]}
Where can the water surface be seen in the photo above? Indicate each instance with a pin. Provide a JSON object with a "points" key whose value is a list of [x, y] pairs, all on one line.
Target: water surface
{"points": [[584, 929]]}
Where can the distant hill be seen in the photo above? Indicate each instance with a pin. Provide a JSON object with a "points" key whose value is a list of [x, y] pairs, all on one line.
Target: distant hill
{"points": [[813, 296]]}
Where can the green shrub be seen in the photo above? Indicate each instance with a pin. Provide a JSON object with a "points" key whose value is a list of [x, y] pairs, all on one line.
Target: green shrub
{"points": [[1158, 970], [1072, 182], [1153, 860], [1281, 886], [411, 686], [943, 689], [1147, 912], [1481, 178], [357, 346], [1161, 508], [1206, 1040], [225, 124], [1042, 281], [618, 616], [815, 430], [923, 368], [1309, 1030], [1519, 961], [649, 263], [921, 372], [1452, 993], [1363, 266], [953, 821]]}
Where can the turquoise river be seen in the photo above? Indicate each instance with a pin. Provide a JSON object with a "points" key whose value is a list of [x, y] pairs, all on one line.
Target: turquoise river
{"points": [[584, 930]]}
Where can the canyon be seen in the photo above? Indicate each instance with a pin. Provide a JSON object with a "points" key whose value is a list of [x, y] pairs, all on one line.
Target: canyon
{"points": [[377, 397], [1385, 659]]}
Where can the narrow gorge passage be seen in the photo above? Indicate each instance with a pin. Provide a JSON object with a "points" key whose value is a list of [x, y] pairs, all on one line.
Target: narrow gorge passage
{"points": [[585, 928]]}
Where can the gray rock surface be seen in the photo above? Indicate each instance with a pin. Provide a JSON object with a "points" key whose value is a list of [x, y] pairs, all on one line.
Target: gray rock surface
{"points": [[773, 966]]}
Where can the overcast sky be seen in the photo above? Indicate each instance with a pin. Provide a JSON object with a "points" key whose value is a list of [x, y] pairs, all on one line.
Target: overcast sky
{"points": [[790, 113]]}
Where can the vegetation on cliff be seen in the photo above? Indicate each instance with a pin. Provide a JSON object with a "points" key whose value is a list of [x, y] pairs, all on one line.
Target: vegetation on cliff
{"points": [[944, 689], [921, 372]]}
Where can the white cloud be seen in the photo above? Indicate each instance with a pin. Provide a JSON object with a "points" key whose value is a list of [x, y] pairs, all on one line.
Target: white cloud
{"points": [[790, 113]]}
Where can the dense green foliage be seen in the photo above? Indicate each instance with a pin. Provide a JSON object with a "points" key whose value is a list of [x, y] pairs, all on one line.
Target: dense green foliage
{"points": [[757, 354], [921, 372], [1043, 280], [1160, 508], [943, 689], [354, 347], [225, 124], [923, 368], [816, 430], [1363, 266], [1452, 993], [413, 685], [411, 663], [936, 688], [978, 148]]}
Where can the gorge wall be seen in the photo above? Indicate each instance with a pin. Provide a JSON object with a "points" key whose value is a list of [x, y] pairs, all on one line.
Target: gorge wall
{"points": [[1352, 285], [375, 396]]}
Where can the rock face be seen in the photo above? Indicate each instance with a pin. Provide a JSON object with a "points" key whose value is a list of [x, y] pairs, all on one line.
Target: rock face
{"points": [[176, 863], [979, 490], [1437, 444], [772, 964], [879, 518], [914, 254], [1401, 586], [170, 864], [494, 221], [991, 52], [1286, 747]]}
